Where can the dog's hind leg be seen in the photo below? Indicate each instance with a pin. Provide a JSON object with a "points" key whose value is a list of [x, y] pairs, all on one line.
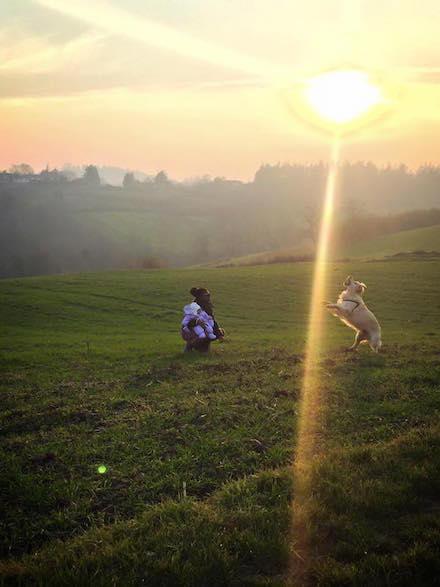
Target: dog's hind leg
{"points": [[360, 336], [375, 342]]}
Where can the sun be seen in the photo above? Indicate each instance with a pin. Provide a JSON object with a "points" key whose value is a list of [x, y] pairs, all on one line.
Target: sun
{"points": [[340, 97]]}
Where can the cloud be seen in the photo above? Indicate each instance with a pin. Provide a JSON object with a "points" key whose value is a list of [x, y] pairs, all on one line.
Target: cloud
{"points": [[423, 74], [120, 22], [121, 50], [37, 55], [33, 66], [118, 51], [41, 85]]}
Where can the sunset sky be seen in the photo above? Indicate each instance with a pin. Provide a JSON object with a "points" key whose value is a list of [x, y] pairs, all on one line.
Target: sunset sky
{"points": [[207, 86]]}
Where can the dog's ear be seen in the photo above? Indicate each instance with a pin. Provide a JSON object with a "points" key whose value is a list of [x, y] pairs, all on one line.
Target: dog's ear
{"points": [[348, 280]]}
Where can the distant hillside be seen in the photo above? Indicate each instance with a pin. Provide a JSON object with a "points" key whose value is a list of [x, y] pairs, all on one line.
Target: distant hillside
{"points": [[405, 241], [52, 224], [419, 239]]}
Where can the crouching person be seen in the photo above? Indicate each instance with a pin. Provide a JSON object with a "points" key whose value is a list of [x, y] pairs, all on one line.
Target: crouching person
{"points": [[199, 327]]}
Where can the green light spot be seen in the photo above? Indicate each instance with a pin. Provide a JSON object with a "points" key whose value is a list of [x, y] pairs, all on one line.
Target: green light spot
{"points": [[102, 469]]}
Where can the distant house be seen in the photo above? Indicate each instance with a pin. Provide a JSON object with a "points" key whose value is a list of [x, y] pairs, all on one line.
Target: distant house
{"points": [[50, 176]]}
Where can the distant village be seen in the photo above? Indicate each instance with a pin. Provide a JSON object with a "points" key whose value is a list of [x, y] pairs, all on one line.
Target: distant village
{"points": [[23, 173], [45, 176]]}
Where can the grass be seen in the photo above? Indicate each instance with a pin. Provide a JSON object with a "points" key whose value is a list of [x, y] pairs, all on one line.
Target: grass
{"points": [[415, 242], [406, 241], [198, 449], [143, 232]]}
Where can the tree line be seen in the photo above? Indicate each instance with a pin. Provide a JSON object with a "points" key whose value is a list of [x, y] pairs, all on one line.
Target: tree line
{"points": [[60, 221]]}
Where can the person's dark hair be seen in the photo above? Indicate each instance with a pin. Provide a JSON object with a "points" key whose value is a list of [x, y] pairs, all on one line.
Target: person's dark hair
{"points": [[198, 291], [202, 296]]}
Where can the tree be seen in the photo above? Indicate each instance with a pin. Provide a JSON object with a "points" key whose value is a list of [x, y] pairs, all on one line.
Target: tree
{"points": [[91, 175], [312, 217], [21, 169], [161, 178], [129, 180]]}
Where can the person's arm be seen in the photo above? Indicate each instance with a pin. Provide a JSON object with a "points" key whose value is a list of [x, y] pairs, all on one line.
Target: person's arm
{"points": [[218, 331]]}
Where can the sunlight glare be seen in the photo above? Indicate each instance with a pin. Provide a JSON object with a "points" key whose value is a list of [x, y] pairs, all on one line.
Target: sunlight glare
{"points": [[342, 96], [312, 404]]}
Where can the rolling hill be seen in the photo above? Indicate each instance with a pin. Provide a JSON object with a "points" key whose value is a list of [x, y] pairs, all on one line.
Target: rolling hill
{"points": [[406, 242]]}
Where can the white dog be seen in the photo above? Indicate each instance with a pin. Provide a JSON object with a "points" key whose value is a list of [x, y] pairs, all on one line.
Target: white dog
{"points": [[351, 309]]}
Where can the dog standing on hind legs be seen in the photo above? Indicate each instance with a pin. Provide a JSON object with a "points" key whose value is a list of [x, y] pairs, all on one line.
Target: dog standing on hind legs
{"points": [[351, 309]]}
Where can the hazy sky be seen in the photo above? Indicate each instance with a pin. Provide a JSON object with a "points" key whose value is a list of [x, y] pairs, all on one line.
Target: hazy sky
{"points": [[203, 86]]}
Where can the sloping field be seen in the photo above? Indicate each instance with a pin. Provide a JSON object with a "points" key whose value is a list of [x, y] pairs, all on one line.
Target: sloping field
{"points": [[407, 241], [420, 239], [126, 462], [142, 232]]}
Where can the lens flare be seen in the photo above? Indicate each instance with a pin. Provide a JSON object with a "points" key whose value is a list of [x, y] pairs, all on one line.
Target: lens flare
{"points": [[312, 402], [338, 103]]}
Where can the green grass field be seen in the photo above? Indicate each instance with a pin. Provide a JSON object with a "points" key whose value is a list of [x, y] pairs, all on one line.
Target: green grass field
{"points": [[197, 450]]}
